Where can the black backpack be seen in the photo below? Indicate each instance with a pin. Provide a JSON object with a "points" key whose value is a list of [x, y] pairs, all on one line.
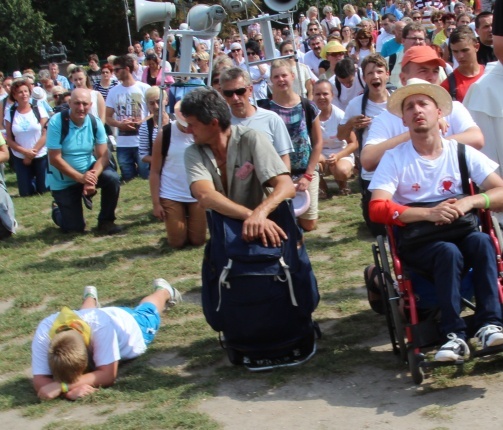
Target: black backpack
{"points": [[260, 298], [166, 137], [453, 90]]}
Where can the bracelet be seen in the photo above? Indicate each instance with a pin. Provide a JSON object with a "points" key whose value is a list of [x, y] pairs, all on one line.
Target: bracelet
{"points": [[64, 387], [308, 177], [486, 198]]}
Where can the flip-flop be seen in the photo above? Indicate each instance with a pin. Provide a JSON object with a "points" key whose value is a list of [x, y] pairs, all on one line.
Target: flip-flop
{"points": [[374, 293]]}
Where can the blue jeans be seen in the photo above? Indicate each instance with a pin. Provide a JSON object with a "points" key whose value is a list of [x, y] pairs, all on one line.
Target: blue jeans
{"points": [[31, 179], [130, 164], [446, 262], [69, 214]]}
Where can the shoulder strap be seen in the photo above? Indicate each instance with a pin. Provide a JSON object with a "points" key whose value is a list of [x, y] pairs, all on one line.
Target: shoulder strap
{"points": [[166, 140], [358, 73], [451, 79], [13, 109], [359, 132], [308, 109], [65, 125], [391, 62], [150, 127], [36, 112], [463, 169], [94, 124]]}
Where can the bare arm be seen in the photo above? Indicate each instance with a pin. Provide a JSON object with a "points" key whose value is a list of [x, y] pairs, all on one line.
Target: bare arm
{"points": [[104, 376], [371, 154], [56, 160], [352, 146], [41, 142], [126, 125], [317, 146], [4, 154], [472, 137], [101, 107], [155, 175], [357, 121], [286, 159]]}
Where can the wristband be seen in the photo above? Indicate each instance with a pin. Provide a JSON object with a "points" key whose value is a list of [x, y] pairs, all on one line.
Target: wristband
{"points": [[64, 387], [308, 177], [486, 198]]}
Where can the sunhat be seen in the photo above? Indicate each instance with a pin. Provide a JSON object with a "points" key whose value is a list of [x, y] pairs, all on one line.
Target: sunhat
{"points": [[419, 86], [332, 46]]}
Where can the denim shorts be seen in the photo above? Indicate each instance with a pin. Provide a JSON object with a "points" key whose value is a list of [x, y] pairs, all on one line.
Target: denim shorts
{"points": [[148, 318]]}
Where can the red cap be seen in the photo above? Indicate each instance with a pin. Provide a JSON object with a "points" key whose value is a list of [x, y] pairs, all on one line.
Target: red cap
{"points": [[421, 54]]}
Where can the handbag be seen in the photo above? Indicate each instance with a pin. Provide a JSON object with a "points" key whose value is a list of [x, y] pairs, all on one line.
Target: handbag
{"points": [[419, 233]]}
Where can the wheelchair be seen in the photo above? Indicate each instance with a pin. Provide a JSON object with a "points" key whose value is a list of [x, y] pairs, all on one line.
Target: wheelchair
{"points": [[409, 302]]}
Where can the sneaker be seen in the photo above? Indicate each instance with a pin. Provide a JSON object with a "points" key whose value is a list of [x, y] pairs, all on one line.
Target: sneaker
{"points": [[176, 297], [455, 349], [109, 227], [91, 291], [490, 335]]}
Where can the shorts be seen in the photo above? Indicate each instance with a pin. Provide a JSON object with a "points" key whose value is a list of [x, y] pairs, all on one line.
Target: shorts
{"points": [[314, 185], [148, 318]]}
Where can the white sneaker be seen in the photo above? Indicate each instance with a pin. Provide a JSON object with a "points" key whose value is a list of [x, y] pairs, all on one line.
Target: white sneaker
{"points": [[453, 350], [490, 335], [176, 296], [91, 291]]}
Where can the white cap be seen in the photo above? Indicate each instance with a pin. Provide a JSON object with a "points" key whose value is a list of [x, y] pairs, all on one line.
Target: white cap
{"points": [[39, 93], [17, 74]]}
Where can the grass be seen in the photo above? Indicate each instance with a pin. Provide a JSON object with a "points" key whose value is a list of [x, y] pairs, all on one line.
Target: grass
{"points": [[42, 270]]}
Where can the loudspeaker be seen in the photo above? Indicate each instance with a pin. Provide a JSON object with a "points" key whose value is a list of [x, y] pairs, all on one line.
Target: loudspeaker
{"points": [[281, 5], [206, 18], [236, 6], [147, 12]]}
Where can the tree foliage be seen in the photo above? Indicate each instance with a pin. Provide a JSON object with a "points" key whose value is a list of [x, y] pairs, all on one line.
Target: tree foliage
{"points": [[23, 30]]}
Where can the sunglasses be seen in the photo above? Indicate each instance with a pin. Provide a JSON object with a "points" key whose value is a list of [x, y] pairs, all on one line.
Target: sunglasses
{"points": [[230, 93], [250, 53], [116, 69], [235, 50], [335, 54], [436, 20], [259, 40]]}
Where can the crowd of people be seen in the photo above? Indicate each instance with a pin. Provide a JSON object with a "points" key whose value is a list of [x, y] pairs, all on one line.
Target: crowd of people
{"points": [[324, 106]]}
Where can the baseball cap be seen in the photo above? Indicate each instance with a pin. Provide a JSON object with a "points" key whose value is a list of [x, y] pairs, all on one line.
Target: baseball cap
{"points": [[39, 93], [421, 54], [236, 45]]}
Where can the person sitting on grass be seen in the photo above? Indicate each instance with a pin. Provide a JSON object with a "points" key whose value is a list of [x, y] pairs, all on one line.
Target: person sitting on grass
{"points": [[64, 342]]}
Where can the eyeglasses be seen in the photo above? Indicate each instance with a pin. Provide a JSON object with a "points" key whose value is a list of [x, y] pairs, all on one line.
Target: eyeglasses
{"points": [[116, 69], [250, 53], [450, 29], [416, 39], [235, 50], [230, 93]]}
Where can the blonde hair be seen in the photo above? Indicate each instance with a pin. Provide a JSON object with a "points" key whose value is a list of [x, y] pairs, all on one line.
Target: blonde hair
{"points": [[68, 356], [203, 55], [276, 64], [349, 7]]}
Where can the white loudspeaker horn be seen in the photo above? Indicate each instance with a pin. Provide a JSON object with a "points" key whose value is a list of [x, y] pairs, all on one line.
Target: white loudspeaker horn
{"points": [[281, 5], [236, 6], [149, 11], [206, 18]]}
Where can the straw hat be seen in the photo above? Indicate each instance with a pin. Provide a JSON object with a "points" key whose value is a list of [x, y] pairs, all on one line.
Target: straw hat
{"points": [[419, 86], [332, 46]]}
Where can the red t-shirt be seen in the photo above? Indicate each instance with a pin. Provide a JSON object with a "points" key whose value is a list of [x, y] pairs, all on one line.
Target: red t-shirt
{"points": [[462, 83]]}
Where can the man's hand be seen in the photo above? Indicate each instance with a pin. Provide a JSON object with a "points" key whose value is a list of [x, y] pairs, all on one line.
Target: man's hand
{"points": [[128, 125], [259, 227], [444, 213], [360, 121], [80, 391], [90, 177], [49, 391]]}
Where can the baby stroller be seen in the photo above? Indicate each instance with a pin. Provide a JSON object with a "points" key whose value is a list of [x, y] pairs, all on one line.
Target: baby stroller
{"points": [[408, 302]]}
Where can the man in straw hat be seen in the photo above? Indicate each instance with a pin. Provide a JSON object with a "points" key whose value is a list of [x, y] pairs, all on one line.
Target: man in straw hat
{"points": [[426, 169]]}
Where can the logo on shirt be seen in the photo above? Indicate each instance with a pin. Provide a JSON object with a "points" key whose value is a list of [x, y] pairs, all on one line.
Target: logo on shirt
{"points": [[446, 186], [416, 187]]}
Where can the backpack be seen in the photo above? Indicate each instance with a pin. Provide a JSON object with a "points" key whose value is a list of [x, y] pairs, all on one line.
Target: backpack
{"points": [[260, 299], [13, 110], [8, 223]]}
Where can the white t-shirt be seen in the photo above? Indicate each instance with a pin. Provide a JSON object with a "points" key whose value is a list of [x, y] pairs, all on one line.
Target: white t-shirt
{"points": [[260, 88], [94, 106], [313, 62], [332, 145], [128, 103], [115, 335], [361, 55], [272, 125], [411, 178], [335, 22], [372, 110], [174, 185], [27, 130], [353, 21], [347, 94]]}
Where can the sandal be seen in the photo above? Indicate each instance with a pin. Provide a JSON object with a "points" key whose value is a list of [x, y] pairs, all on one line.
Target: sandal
{"points": [[374, 293]]}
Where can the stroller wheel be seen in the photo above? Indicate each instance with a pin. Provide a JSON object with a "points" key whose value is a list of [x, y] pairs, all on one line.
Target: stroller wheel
{"points": [[414, 365]]}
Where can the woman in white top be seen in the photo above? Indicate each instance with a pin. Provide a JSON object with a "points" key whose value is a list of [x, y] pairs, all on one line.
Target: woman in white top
{"points": [[259, 74], [347, 35], [26, 136], [81, 80], [364, 46], [330, 21], [352, 19], [172, 202], [337, 156]]}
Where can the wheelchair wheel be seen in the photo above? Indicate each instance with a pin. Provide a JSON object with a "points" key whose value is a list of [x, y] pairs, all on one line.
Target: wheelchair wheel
{"points": [[414, 365], [393, 316], [497, 230]]}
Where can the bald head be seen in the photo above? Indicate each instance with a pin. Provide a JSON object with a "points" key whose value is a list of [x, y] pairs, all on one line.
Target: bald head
{"points": [[398, 29], [80, 104]]}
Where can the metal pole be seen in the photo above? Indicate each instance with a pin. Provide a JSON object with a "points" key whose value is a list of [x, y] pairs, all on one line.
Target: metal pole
{"points": [[126, 8], [163, 72]]}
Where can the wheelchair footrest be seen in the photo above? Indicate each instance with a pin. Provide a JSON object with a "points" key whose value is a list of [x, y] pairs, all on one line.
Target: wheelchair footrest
{"points": [[435, 364], [487, 351]]}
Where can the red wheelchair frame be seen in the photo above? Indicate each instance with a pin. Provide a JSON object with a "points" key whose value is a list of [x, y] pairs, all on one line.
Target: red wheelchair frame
{"points": [[409, 333]]}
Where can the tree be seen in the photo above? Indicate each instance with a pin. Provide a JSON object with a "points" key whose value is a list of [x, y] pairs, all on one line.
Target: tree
{"points": [[26, 30]]}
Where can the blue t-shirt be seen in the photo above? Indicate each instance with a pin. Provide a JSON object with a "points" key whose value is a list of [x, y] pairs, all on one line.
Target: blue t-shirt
{"points": [[391, 47], [76, 148]]}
